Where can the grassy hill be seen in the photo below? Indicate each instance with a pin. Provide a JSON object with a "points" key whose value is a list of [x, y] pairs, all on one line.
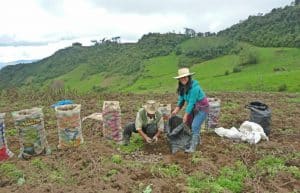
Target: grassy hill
{"points": [[226, 62], [274, 69], [279, 28], [277, 69]]}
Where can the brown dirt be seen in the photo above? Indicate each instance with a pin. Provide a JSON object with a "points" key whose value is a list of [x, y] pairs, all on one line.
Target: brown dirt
{"points": [[89, 167]]}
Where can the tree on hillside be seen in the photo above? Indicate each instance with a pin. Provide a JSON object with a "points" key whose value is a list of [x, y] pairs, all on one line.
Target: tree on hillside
{"points": [[76, 44], [200, 34], [189, 32], [95, 42], [116, 39], [297, 2]]}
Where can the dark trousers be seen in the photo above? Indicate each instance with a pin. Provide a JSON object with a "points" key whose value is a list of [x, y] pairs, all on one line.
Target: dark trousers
{"points": [[150, 130]]}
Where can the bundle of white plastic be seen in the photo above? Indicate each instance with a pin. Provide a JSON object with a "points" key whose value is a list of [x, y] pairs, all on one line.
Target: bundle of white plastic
{"points": [[249, 131]]}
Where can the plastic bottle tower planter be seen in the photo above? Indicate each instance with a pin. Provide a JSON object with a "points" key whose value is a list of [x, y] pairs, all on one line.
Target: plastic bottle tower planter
{"points": [[4, 151], [212, 119], [165, 110], [30, 125], [112, 121], [69, 125]]}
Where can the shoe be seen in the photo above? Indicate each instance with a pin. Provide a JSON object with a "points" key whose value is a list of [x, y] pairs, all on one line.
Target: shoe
{"points": [[126, 140], [194, 143]]}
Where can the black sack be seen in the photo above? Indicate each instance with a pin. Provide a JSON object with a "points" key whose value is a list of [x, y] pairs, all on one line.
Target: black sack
{"points": [[260, 113], [178, 133]]}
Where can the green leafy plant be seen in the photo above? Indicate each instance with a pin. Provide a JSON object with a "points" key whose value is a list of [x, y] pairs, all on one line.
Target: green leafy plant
{"points": [[109, 174], [136, 143], [196, 157], [11, 132], [10, 171], [295, 171], [148, 189], [270, 165], [117, 159], [230, 179], [172, 170], [38, 163]]}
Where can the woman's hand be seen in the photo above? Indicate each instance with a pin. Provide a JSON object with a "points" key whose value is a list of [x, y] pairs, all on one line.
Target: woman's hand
{"points": [[185, 117], [176, 110]]}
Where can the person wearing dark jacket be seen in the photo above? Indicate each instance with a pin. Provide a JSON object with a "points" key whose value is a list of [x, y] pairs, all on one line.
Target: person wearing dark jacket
{"points": [[196, 110]]}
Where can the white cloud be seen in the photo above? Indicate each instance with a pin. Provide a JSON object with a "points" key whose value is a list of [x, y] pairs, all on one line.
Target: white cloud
{"points": [[48, 21]]}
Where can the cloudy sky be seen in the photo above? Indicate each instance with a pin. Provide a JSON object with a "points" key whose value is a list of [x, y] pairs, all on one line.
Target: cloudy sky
{"points": [[34, 29]]}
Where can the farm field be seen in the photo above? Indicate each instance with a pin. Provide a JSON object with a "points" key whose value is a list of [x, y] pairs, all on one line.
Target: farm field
{"points": [[99, 165]]}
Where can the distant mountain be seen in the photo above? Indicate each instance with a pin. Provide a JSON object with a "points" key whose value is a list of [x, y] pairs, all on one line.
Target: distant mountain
{"points": [[2, 64]]}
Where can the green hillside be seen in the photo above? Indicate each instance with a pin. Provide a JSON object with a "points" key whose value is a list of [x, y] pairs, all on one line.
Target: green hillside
{"points": [[279, 28], [226, 62], [278, 69]]}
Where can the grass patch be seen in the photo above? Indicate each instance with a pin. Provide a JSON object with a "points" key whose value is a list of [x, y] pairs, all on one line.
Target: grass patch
{"points": [[134, 164], [117, 159], [196, 157], [107, 177], [41, 171], [166, 171], [38, 163], [136, 143], [229, 105], [11, 132], [295, 171], [293, 100], [10, 171], [230, 179], [270, 165], [202, 183]]}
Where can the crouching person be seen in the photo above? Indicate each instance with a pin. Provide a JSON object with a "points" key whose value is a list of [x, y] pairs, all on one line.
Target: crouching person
{"points": [[148, 123]]}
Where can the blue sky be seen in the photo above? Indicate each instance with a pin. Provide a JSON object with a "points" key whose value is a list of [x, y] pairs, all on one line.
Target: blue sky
{"points": [[34, 29]]}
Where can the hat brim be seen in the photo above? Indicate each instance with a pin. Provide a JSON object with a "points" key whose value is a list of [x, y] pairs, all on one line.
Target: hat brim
{"points": [[184, 75], [152, 112]]}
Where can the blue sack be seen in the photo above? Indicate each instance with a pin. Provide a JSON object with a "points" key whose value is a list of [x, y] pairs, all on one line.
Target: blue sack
{"points": [[62, 102]]}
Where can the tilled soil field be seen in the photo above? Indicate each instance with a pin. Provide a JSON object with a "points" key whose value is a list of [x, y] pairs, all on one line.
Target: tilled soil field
{"points": [[99, 165]]}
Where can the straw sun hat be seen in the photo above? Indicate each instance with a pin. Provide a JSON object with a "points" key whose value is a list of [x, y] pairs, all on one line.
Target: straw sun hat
{"points": [[151, 106], [183, 72]]}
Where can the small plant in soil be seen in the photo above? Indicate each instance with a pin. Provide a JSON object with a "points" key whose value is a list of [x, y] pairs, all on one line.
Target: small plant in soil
{"points": [[270, 165], [172, 170], [196, 157], [136, 143], [117, 159], [11, 132], [109, 175], [230, 179], [38, 163], [11, 172]]}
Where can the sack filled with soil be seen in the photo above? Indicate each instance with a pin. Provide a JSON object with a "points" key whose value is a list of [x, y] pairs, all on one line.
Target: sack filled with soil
{"points": [[69, 125], [111, 114], [32, 135], [5, 153]]}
